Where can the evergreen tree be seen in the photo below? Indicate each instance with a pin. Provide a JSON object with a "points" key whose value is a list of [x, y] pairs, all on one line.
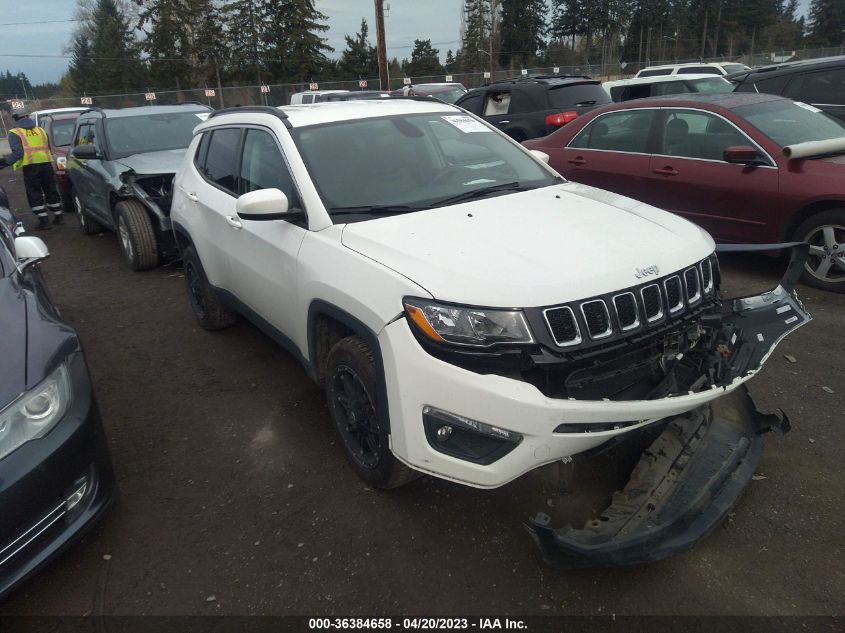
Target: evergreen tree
{"points": [[826, 20], [246, 32], [297, 51], [425, 60], [475, 38], [450, 61], [567, 23], [166, 42], [523, 29], [117, 64], [81, 70], [359, 59]]}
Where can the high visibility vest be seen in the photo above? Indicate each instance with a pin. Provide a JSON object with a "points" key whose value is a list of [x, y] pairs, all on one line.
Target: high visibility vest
{"points": [[36, 147]]}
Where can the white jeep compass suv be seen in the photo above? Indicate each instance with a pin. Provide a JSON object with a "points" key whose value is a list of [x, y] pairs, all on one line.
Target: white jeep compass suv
{"points": [[472, 315]]}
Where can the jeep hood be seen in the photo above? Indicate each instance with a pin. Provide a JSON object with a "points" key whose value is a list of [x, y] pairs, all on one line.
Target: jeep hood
{"points": [[534, 248], [163, 162]]}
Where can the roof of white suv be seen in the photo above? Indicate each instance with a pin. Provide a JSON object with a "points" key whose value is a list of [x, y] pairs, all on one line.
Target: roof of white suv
{"points": [[333, 111]]}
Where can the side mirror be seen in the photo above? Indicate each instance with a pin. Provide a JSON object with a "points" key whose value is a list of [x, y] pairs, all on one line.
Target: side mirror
{"points": [[741, 155], [85, 151], [540, 155], [264, 204], [30, 250]]}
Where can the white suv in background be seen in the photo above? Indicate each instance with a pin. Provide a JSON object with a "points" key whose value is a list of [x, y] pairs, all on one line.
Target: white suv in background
{"points": [[694, 68], [470, 314]]}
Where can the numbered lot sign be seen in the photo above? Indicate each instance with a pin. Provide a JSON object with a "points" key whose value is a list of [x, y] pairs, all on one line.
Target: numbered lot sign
{"points": [[86, 101], [407, 81], [17, 105], [448, 79], [209, 92], [313, 86], [150, 96], [487, 74], [265, 89], [556, 70], [524, 72], [362, 83]]}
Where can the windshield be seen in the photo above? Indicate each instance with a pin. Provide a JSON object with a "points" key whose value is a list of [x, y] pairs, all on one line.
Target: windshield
{"points": [[413, 161], [151, 132], [787, 122], [62, 132], [709, 86]]}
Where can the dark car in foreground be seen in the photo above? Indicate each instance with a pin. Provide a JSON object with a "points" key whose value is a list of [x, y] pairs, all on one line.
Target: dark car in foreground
{"points": [[59, 128], [818, 82], [749, 168], [56, 476], [121, 172], [529, 107]]}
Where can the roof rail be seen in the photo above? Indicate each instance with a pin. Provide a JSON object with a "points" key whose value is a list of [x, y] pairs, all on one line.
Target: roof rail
{"points": [[538, 78], [262, 109], [199, 103], [416, 97], [94, 109]]}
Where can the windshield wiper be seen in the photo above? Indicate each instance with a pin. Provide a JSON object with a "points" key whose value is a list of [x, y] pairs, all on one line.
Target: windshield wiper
{"points": [[482, 192], [384, 209]]}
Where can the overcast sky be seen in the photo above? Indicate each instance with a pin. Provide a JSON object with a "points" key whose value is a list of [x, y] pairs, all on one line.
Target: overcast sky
{"points": [[437, 20]]}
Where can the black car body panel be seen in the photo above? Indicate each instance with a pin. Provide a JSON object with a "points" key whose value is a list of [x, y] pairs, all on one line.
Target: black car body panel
{"points": [[820, 82], [530, 100], [39, 514]]}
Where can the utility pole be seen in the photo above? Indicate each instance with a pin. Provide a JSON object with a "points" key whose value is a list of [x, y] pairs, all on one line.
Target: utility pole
{"points": [[381, 46]]}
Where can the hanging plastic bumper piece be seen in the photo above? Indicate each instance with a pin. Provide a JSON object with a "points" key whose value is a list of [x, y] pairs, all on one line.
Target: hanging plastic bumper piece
{"points": [[691, 476]]}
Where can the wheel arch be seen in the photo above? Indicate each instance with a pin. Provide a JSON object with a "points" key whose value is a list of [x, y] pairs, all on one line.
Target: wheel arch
{"points": [[328, 324], [808, 211], [183, 238]]}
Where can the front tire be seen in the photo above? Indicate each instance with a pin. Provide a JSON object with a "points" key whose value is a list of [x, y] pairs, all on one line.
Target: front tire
{"points": [[210, 312], [825, 265], [351, 390], [136, 235]]}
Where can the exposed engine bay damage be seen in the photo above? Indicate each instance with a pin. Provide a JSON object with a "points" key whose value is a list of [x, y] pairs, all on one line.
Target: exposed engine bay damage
{"points": [[156, 191], [693, 473], [683, 486]]}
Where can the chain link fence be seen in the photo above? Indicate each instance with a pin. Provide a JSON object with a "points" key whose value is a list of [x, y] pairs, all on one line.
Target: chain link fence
{"points": [[279, 94]]}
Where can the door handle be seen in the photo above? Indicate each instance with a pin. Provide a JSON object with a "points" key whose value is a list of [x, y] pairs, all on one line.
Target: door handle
{"points": [[665, 171], [192, 196], [234, 222], [578, 160]]}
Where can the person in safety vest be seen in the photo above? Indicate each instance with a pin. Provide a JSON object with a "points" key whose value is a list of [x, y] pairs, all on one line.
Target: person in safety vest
{"points": [[31, 151]]}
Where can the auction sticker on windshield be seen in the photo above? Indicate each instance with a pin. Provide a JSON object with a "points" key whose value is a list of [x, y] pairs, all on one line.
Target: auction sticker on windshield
{"points": [[466, 123]]}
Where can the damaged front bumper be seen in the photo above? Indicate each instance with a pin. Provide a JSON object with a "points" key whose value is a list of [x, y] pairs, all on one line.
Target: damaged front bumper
{"points": [[690, 477], [683, 487]]}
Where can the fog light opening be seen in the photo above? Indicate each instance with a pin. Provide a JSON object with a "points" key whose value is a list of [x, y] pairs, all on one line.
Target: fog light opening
{"points": [[77, 495]]}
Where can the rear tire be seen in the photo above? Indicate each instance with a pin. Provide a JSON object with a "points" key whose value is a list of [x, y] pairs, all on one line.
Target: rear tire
{"points": [[350, 390], [136, 235], [209, 310], [86, 224], [825, 265]]}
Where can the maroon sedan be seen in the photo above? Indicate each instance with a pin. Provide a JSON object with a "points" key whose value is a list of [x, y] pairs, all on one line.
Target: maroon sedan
{"points": [[719, 161], [59, 128]]}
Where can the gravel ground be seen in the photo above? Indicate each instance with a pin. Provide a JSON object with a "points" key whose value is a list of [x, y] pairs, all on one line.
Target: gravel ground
{"points": [[237, 499]]}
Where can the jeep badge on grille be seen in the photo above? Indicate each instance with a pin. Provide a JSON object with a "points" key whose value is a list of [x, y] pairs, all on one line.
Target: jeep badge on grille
{"points": [[639, 273]]}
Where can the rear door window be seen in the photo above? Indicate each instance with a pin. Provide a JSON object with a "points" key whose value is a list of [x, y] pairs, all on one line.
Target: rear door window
{"points": [[221, 164], [824, 87], [573, 95], [625, 131], [772, 86], [472, 103], [690, 134], [497, 103], [695, 70]]}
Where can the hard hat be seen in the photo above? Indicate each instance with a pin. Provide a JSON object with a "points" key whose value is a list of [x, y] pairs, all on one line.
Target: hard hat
{"points": [[18, 113]]}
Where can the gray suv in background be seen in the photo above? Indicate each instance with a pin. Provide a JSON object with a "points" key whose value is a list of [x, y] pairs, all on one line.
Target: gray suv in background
{"points": [[121, 169]]}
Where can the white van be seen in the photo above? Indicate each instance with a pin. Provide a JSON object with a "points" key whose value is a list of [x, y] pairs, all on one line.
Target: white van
{"points": [[704, 68], [311, 96]]}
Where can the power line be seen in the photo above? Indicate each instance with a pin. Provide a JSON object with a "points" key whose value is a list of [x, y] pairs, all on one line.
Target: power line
{"points": [[40, 22]]}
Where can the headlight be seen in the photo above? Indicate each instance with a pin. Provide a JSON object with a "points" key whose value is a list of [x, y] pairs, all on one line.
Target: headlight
{"points": [[36, 412], [465, 325]]}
